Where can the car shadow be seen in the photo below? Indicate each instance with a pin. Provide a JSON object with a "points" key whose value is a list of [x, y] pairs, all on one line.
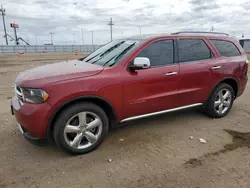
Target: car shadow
{"points": [[145, 128]]}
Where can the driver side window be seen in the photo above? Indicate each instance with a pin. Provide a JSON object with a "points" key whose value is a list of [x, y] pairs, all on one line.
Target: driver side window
{"points": [[160, 53]]}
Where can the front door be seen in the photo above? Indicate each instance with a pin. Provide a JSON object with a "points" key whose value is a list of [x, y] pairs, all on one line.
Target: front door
{"points": [[154, 89]]}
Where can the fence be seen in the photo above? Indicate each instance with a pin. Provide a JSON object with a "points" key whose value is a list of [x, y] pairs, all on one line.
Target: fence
{"points": [[4, 49]]}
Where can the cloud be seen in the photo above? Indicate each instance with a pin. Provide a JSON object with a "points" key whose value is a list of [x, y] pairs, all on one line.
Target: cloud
{"points": [[64, 17]]}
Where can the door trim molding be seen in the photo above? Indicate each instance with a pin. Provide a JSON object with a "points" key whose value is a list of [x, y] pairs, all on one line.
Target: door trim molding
{"points": [[160, 112]]}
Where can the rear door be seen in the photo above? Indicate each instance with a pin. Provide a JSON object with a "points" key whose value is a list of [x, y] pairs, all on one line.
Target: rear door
{"points": [[154, 89], [195, 56], [230, 64]]}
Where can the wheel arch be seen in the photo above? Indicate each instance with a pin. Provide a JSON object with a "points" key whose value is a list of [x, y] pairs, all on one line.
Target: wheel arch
{"points": [[231, 81], [99, 101]]}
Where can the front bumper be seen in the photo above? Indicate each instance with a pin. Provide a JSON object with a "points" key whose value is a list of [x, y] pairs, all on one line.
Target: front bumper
{"points": [[32, 118], [32, 139]]}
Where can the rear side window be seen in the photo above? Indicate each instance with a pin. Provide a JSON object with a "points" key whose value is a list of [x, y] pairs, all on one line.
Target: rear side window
{"points": [[226, 48], [159, 53], [193, 50]]}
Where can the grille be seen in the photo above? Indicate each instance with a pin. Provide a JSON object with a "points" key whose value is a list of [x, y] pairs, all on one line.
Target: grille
{"points": [[18, 93]]}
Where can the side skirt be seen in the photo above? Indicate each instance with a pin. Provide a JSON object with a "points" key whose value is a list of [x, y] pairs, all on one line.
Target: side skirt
{"points": [[160, 112]]}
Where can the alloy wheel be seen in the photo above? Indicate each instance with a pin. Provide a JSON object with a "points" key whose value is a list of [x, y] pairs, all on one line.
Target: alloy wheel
{"points": [[223, 101], [83, 130]]}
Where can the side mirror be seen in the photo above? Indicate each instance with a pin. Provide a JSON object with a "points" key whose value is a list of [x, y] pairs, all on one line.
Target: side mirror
{"points": [[140, 63]]}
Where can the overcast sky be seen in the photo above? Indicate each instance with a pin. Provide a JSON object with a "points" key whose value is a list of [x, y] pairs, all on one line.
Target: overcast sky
{"points": [[37, 18]]}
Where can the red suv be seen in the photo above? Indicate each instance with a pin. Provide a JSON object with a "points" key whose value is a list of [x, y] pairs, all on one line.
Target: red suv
{"points": [[76, 102]]}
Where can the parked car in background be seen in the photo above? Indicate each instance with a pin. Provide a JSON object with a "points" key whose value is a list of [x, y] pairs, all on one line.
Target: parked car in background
{"points": [[76, 102]]}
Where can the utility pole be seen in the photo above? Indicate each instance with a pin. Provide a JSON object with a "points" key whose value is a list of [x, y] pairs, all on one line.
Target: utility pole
{"points": [[51, 37], [2, 10], [111, 28], [82, 36]]}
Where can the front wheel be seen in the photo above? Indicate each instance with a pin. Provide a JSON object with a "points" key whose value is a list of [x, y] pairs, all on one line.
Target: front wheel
{"points": [[80, 128], [221, 101]]}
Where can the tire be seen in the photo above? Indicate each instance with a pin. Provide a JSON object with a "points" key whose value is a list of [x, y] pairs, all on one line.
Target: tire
{"points": [[77, 135], [214, 103]]}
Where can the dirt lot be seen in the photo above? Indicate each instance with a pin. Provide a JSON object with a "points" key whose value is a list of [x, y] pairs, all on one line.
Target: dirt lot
{"points": [[155, 152]]}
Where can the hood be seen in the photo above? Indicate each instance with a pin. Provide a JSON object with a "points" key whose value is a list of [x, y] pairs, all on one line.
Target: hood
{"points": [[56, 72]]}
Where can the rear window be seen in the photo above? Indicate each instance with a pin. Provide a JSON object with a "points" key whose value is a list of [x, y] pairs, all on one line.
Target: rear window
{"points": [[226, 48], [193, 50]]}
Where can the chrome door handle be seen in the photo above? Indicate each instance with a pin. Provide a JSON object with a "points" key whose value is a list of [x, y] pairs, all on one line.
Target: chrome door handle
{"points": [[171, 73], [216, 67]]}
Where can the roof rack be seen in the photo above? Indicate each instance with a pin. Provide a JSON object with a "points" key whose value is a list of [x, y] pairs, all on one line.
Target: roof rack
{"points": [[216, 33]]}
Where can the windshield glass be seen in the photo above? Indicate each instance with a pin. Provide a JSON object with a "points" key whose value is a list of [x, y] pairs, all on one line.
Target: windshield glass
{"points": [[109, 54]]}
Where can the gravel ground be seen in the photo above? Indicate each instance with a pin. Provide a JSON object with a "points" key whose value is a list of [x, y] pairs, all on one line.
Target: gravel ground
{"points": [[153, 152]]}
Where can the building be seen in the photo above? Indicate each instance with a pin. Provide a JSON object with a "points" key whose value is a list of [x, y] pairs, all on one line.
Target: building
{"points": [[245, 43]]}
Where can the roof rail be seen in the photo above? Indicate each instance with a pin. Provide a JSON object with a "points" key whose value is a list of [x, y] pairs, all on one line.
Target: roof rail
{"points": [[205, 32]]}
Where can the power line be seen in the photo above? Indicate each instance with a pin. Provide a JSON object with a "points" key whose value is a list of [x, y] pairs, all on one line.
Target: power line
{"points": [[111, 28], [3, 14]]}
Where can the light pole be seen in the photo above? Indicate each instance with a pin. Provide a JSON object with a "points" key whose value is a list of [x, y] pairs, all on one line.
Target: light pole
{"points": [[139, 28], [51, 37], [74, 38], [82, 36], [92, 38]]}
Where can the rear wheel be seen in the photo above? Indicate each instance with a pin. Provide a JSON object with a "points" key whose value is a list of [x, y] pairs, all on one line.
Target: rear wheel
{"points": [[221, 101], [80, 128]]}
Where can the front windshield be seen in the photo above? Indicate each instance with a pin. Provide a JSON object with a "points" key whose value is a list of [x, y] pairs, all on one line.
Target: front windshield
{"points": [[109, 54]]}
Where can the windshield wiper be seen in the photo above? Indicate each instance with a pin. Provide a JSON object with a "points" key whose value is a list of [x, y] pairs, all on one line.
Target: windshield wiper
{"points": [[124, 51], [107, 51], [119, 55], [92, 57], [112, 48]]}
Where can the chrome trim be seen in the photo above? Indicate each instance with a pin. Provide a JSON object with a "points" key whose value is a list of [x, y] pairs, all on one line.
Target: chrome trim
{"points": [[18, 92], [171, 73], [20, 128], [216, 67], [21, 102], [160, 112]]}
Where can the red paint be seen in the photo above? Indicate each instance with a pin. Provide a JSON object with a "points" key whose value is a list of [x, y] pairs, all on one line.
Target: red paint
{"points": [[129, 93]]}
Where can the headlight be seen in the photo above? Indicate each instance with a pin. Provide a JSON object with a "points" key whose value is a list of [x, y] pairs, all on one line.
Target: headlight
{"points": [[34, 95]]}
